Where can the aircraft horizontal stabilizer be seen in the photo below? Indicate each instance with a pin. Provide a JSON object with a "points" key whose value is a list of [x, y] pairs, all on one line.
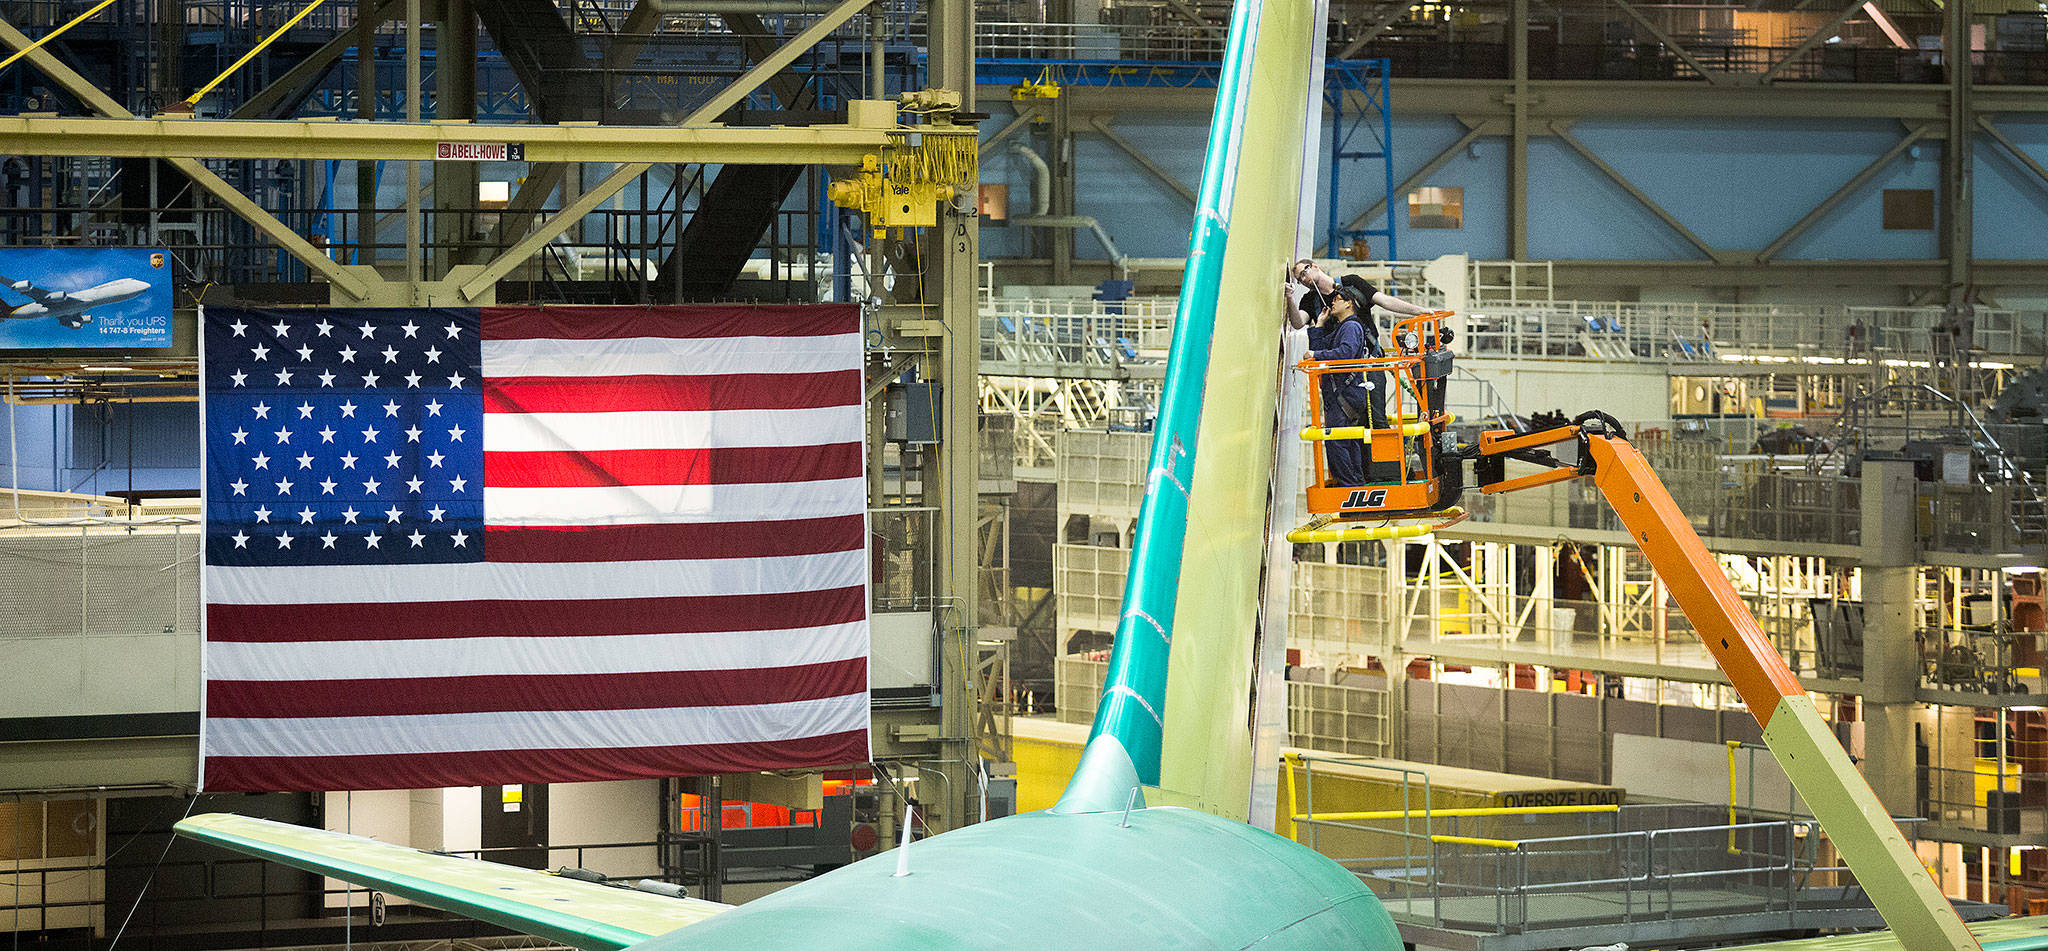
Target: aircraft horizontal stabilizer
{"points": [[580, 914]]}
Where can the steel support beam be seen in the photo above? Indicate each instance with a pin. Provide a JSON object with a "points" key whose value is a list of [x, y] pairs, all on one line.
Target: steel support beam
{"points": [[406, 141], [455, 183], [2019, 154], [953, 255], [1713, 77], [415, 257], [1812, 41], [1563, 132], [1024, 116], [1379, 24], [1518, 101], [355, 282], [1958, 162], [1576, 99], [1842, 194], [1101, 126], [487, 277]]}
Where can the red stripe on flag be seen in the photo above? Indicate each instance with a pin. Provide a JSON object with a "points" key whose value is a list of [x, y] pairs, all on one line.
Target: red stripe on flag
{"points": [[651, 393], [603, 467], [422, 696], [491, 767], [413, 620], [673, 541], [683, 321]]}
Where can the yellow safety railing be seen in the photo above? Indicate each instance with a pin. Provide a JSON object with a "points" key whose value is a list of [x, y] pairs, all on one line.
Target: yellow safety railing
{"points": [[1733, 745], [1471, 840], [1319, 434], [1290, 761], [1460, 813]]}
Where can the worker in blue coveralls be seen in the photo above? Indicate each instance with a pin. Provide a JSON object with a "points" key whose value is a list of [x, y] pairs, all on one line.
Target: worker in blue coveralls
{"points": [[1351, 335], [1309, 292]]}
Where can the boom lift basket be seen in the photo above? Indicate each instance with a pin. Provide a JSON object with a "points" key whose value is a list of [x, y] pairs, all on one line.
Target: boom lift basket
{"points": [[1405, 478]]}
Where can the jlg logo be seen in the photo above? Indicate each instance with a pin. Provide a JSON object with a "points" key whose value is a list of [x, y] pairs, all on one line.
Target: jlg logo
{"points": [[1366, 499]]}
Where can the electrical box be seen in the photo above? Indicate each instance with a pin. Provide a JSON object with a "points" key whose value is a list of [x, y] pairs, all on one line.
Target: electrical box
{"points": [[913, 413], [1002, 798]]}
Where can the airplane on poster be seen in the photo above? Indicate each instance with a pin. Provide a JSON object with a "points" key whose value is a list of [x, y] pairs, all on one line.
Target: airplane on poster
{"points": [[71, 308]]}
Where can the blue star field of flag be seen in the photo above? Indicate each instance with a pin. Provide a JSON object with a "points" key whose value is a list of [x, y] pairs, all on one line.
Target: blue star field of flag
{"points": [[343, 437]]}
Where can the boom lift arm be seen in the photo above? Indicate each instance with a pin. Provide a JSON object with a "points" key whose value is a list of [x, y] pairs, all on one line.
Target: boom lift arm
{"points": [[1805, 747], [1428, 472]]}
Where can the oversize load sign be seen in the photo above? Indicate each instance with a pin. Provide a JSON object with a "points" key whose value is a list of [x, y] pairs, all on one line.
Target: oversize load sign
{"points": [[84, 297], [480, 152]]}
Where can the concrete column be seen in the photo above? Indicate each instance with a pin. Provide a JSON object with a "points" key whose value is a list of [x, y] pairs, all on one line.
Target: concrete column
{"points": [[1891, 656]]}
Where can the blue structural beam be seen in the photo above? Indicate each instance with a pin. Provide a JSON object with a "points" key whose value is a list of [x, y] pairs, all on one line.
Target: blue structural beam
{"points": [[1358, 95]]}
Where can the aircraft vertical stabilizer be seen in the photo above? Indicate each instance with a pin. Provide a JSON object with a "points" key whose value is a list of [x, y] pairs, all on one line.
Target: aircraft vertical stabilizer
{"points": [[1206, 759], [1193, 590]]}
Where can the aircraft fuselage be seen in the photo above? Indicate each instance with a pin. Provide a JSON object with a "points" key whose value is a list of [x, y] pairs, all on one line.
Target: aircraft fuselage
{"points": [[71, 308]]}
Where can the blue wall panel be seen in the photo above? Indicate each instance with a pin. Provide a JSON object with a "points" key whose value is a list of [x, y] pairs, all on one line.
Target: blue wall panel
{"points": [[1576, 211], [1739, 183], [33, 446], [2010, 197]]}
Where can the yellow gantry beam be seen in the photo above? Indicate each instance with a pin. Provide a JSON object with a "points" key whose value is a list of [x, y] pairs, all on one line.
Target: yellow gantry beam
{"points": [[406, 141]]}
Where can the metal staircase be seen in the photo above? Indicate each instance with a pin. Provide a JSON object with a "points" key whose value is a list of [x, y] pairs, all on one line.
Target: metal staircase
{"points": [[735, 213]]}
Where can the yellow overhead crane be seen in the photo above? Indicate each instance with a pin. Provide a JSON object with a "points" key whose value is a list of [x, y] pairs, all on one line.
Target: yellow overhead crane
{"points": [[901, 185]]}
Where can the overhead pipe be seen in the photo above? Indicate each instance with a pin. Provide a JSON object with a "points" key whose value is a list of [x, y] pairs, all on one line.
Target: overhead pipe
{"points": [[1041, 204]]}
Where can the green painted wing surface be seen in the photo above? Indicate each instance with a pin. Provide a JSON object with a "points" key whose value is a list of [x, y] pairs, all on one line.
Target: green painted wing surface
{"points": [[579, 914], [2001, 934]]}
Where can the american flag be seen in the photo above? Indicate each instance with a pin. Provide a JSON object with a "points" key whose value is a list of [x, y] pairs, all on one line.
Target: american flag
{"points": [[458, 547]]}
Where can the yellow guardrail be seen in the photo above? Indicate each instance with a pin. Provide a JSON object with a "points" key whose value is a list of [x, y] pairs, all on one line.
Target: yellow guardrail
{"points": [[1471, 840], [1453, 813], [1319, 434]]}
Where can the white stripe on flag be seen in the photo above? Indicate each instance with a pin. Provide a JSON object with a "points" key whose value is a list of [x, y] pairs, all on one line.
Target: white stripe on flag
{"points": [[574, 581], [536, 656], [519, 730], [650, 504], [664, 429], [671, 356]]}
